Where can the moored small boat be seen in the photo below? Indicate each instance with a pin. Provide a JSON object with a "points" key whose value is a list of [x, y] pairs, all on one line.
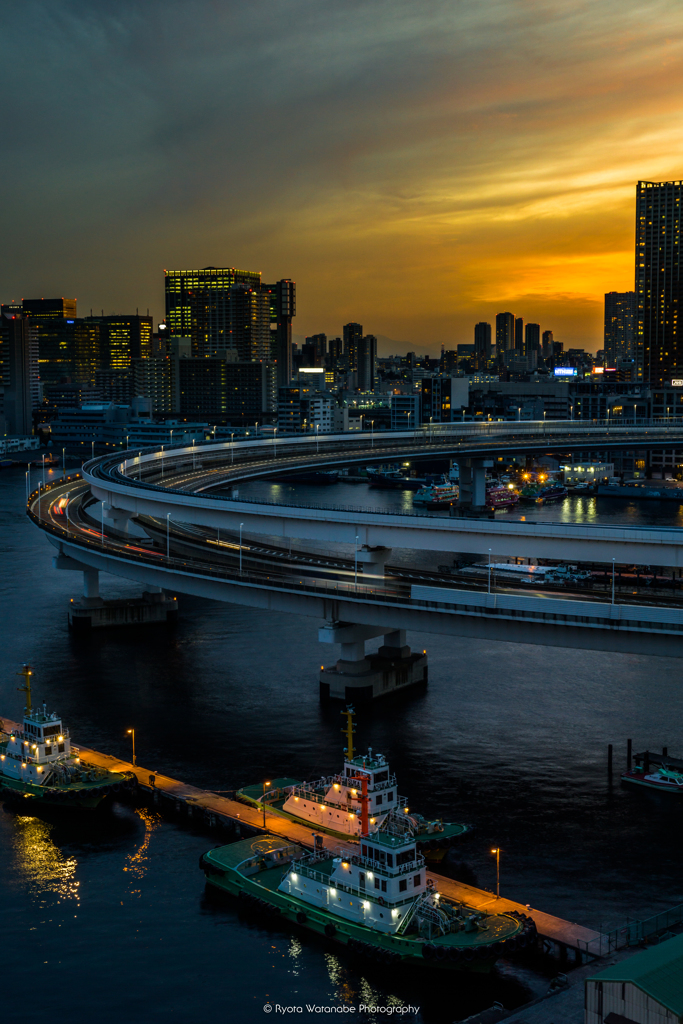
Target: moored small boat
{"points": [[375, 900], [664, 779], [38, 765], [436, 495]]}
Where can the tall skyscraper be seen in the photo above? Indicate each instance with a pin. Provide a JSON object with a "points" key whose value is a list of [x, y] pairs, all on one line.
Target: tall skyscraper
{"points": [[659, 281], [19, 373], [334, 349], [620, 326], [282, 300], [547, 344], [519, 335], [482, 345], [532, 338], [352, 335], [198, 305], [366, 356], [505, 335]]}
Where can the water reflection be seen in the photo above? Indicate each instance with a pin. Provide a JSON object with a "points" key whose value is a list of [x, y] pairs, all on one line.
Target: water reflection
{"points": [[42, 863], [137, 863]]}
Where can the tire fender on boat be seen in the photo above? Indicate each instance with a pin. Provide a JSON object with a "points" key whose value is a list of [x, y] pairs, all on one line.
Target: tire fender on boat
{"points": [[301, 917]]}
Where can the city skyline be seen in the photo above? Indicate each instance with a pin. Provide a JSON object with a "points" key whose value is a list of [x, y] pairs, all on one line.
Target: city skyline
{"points": [[362, 158]]}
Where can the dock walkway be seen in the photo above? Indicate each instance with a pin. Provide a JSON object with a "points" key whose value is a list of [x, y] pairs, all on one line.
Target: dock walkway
{"points": [[565, 934]]}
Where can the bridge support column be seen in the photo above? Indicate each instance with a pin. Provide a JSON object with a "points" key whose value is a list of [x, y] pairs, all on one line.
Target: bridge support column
{"points": [[119, 518], [472, 496], [91, 587], [373, 561], [357, 677]]}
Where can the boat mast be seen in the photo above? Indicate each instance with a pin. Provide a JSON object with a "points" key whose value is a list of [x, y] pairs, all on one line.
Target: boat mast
{"points": [[26, 672], [349, 731]]}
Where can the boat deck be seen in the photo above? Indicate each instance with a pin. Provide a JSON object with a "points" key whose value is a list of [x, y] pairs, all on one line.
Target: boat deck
{"points": [[565, 934]]}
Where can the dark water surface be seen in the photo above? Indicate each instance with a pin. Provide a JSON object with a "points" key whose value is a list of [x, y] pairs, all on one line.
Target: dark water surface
{"points": [[111, 911]]}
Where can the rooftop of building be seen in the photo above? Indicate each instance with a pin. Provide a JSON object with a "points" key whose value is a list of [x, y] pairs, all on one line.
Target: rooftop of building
{"points": [[657, 971]]}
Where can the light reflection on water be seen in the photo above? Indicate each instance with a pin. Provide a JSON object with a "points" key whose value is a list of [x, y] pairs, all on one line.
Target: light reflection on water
{"points": [[43, 866]]}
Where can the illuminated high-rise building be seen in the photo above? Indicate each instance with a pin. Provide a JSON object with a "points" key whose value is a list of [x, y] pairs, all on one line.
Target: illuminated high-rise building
{"points": [[482, 345], [620, 326], [352, 334], [198, 304], [505, 335], [122, 338], [366, 358], [658, 282]]}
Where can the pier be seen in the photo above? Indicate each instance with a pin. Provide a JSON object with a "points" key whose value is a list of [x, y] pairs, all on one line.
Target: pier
{"points": [[216, 808]]}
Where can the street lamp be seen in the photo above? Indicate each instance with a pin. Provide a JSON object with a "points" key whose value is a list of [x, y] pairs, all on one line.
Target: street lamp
{"points": [[241, 525], [127, 436], [102, 520], [317, 439], [496, 850], [232, 447], [372, 433], [264, 802], [63, 460], [275, 444], [168, 535], [43, 469], [131, 733], [92, 449]]}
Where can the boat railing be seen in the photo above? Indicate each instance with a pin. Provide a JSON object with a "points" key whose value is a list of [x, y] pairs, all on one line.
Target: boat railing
{"points": [[380, 869]]}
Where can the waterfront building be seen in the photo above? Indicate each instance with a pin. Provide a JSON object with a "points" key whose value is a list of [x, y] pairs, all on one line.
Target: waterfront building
{"points": [[645, 988], [620, 326], [658, 281], [505, 335]]}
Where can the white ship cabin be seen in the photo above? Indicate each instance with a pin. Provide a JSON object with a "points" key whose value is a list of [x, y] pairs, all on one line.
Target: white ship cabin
{"points": [[335, 802], [381, 887], [30, 754]]}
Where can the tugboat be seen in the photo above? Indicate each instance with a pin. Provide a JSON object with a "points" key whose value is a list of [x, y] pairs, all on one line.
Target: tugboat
{"points": [[376, 900], [436, 495], [334, 803], [37, 763], [664, 779]]}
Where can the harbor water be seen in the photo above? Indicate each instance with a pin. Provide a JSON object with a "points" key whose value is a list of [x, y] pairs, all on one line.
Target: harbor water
{"points": [[111, 911]]}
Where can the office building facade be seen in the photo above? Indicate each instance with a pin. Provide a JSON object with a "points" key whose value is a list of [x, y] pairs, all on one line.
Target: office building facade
{"points": [[19, 369], [366, 362], [352, 334], [121, 339], [658, 282]]}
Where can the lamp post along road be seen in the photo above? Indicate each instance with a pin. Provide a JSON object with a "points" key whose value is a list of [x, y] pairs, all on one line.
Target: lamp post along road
{"points": [[264, 802], [496, 850]]}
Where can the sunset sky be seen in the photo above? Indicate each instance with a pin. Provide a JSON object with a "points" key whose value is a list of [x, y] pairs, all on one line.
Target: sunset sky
{"points": [[415, 165]]}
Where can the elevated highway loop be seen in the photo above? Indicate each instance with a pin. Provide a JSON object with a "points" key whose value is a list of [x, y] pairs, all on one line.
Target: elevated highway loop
{"points": [[180, 484], [387, 607]]}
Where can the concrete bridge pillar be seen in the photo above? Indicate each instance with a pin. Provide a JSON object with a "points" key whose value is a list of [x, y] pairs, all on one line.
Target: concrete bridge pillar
{"points": [[473, 483], [119, 517], [91, 583], [373, 561], [360, 677]]}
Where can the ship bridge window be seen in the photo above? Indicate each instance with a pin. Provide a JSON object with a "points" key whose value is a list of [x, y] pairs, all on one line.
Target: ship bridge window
{"points": [[390, 796], [52, 730], [378, 801], [382, 776], [48, 750], [405, 856]]}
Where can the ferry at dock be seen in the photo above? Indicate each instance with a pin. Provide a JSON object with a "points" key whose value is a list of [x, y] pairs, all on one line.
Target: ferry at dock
{"points": [[39, 766], [334, 803], [501, 497], [375, 900], [436, 495]]}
